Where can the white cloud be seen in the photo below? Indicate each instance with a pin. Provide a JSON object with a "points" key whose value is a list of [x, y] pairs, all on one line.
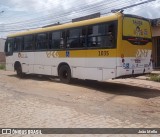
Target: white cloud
{"points": [[32, 13], [150, 10]]}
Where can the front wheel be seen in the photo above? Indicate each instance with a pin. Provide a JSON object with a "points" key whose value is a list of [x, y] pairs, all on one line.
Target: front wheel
{"points": [[65, 74], [20, 74]]}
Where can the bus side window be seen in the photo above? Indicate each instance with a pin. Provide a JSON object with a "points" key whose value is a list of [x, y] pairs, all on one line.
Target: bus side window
{"points": [[102, 35], [28, 43], [96, 35], [83, 40], [18, 44], [111, 38], [42, 41], [76, 38], [58, 40], [90, 41]]}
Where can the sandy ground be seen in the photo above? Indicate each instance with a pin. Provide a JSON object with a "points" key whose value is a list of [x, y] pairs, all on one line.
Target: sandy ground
{"points": [[45, 102]]}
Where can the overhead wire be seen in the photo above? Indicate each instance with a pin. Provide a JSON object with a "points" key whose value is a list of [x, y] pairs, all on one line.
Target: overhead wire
{"points": [[51, 4], [76, 7], [43, 19], [64, 14], [125, 1], [52, 19]]}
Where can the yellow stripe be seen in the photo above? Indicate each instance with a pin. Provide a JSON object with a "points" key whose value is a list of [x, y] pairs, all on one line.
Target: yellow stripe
{"points": [[97, 53]]}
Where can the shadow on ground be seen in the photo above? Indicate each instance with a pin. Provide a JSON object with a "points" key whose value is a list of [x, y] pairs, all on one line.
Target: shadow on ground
{"points": [[105, 87]]}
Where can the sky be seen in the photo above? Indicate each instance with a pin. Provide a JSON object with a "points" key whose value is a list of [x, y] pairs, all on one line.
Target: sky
{"points": [[19, 15]]}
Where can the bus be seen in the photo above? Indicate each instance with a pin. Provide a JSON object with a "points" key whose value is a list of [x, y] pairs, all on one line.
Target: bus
{"points": [[108, 47]]}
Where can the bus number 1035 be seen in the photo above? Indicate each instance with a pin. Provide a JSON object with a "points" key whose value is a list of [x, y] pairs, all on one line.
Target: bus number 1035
{"points": [[103, 53]]}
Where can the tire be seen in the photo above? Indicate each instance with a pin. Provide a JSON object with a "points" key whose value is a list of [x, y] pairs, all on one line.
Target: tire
{"points": [[65, 74], [20, 74]]}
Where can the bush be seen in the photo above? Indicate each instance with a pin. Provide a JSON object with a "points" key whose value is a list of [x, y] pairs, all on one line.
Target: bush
{"points": [[2, 67], [155, 77]]}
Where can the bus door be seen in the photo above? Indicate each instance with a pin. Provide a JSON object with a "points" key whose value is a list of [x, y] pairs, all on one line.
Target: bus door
{"points": [[26, 54], [9, 53]]}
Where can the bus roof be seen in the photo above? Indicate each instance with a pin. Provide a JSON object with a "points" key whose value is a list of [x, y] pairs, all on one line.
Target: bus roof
{"points": [[69, 25], [136, 16]]}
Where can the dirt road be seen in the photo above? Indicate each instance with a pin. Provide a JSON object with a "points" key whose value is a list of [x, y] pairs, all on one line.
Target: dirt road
{"points": [[44, 102]]}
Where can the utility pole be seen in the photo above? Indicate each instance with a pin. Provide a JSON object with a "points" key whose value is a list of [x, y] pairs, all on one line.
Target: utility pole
{"points": [[1, 25]]}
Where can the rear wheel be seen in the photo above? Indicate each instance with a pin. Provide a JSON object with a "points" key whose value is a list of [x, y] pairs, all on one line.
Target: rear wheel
{"points": [[65, 74]]}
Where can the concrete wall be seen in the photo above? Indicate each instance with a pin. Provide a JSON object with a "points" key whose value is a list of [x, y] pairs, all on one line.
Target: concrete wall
{"points": [[156, 46], [155, 31], [2, 55], [2, 43]]}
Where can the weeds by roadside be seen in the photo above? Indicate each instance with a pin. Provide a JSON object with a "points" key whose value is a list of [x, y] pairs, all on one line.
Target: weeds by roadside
{"points": [[154, 77], [2, 67]]}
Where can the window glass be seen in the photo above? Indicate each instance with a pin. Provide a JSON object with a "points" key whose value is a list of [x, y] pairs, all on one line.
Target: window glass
{"points": [[18, 44], [28, 42], [9, 45], [56, 35], [102, 35], [102, 29], [76, 38], [93, 30], [42, 37], [111, 35], [42, 42], [74, 33], [58, 40]]}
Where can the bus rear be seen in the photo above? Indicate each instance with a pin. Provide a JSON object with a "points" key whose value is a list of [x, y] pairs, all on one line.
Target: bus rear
{"points": [[135, 48]]}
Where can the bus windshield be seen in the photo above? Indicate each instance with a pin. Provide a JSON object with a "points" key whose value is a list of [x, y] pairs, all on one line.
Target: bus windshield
{"points": [[136, 28]]}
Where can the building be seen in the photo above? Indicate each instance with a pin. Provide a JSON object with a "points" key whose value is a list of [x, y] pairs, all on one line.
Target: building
{"points": [[156, 42], [2, 55]]}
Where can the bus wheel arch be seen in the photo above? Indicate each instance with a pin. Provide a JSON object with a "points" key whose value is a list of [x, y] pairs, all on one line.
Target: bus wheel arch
{"points": [[18, 69], [64, 73]]}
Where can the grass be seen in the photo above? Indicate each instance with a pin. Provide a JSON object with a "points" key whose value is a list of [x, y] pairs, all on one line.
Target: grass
{"points": [[2, 67], [154, 77]]}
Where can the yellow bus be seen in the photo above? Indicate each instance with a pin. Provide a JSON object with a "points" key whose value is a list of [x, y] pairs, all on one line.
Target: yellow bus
{"points": [[102, 48]]}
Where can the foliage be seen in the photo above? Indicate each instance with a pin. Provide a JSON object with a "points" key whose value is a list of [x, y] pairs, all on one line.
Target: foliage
{"points": [[154, 77], [2, 66]]}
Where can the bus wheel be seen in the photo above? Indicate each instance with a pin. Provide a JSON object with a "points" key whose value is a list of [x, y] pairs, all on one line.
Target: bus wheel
{"points": [[20, 74], [65, 74]]}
